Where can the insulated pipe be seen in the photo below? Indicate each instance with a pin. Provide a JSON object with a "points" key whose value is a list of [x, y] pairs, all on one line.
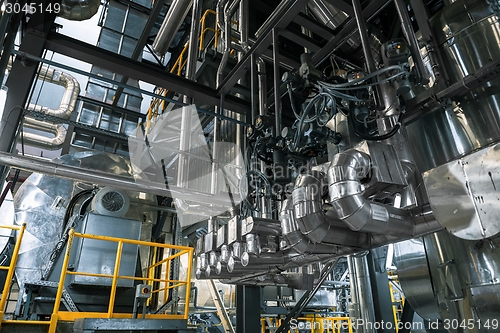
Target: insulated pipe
{"points": [[346, 195], [249, 259], [70, 96], [243, 25], [261, 70], [406, 26], [79, 10], [295, 238], [33, 164], [229, 10], [171, 24], [313, 221], [36, 140]]}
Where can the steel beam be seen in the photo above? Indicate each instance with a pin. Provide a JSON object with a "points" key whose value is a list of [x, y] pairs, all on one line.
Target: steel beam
{"points": [[313, 25], [20, 81], [301, 39], [343, 6], [125, 66], [139, 47], [349, 29], [280, 19]]}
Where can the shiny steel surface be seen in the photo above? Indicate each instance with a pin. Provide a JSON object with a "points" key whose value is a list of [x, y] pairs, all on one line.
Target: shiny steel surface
{"points": [[176, 14], [468, 38], [414, 277], [463, 194], [465, 276], [42, 200]]}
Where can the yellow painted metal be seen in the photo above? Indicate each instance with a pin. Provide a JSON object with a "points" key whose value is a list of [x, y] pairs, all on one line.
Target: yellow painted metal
{"points": [[26, 322], [115, 278], [188, 286], [164, 264], [11, 268], [62, 278]]}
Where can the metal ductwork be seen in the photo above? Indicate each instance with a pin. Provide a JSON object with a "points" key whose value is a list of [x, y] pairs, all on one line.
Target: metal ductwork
{"points": [[41, 141], [66, 107], [171, 24], [70, 96], [346, 196], [295, 238], [79, 10], [312, 220]]}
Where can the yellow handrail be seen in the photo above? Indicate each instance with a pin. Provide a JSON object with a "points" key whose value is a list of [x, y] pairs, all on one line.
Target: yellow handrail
{"points": [[115, 277], [11, 267]]}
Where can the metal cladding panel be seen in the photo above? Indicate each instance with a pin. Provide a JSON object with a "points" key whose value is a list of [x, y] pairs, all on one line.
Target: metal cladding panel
{"points": [[98, 257], [464, 194]]}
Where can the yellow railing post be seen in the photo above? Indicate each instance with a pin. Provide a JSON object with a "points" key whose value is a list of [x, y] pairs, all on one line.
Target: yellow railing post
{"points": [[10, 272], [60, 287], [188, 284], [115, 279]]}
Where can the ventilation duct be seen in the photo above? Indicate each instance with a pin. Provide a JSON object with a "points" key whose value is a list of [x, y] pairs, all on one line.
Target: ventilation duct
{"points": [[346, 195], [171, 24], [79, 10]]}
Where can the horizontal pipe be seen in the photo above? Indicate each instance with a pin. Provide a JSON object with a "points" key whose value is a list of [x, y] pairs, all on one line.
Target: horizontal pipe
{"points": [[51, 168], [58, 132]]}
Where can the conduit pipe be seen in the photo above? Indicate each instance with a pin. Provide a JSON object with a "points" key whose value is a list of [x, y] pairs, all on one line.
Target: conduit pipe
{"points": [[313, 221], [346, 196], [229, 10], [79, 10], [171, 24]]}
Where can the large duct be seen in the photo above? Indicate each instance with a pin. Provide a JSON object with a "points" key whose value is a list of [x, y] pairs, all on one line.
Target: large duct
{"points": [[346, 195], [79, 10], [171, 24], [66, 107], [314, 224]]}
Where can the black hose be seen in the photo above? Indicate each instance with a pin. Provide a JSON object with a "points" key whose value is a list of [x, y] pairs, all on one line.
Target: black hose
{"points": [[71, 205], [368, 137]]}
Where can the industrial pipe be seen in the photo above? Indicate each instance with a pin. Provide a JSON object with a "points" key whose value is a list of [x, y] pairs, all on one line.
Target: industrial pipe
{"points": [[406, 26], [33, 164], [346, 196], [296, 240], [313, 221], [171, 24], [41, 141]]}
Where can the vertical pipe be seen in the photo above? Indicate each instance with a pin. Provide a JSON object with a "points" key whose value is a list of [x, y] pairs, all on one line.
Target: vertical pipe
{"points": [[115, 279], [412, 41], [193, 45], [364, 291], [261, 70], [254, 90], [277, 81], [243, 25], [365, 42]]}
